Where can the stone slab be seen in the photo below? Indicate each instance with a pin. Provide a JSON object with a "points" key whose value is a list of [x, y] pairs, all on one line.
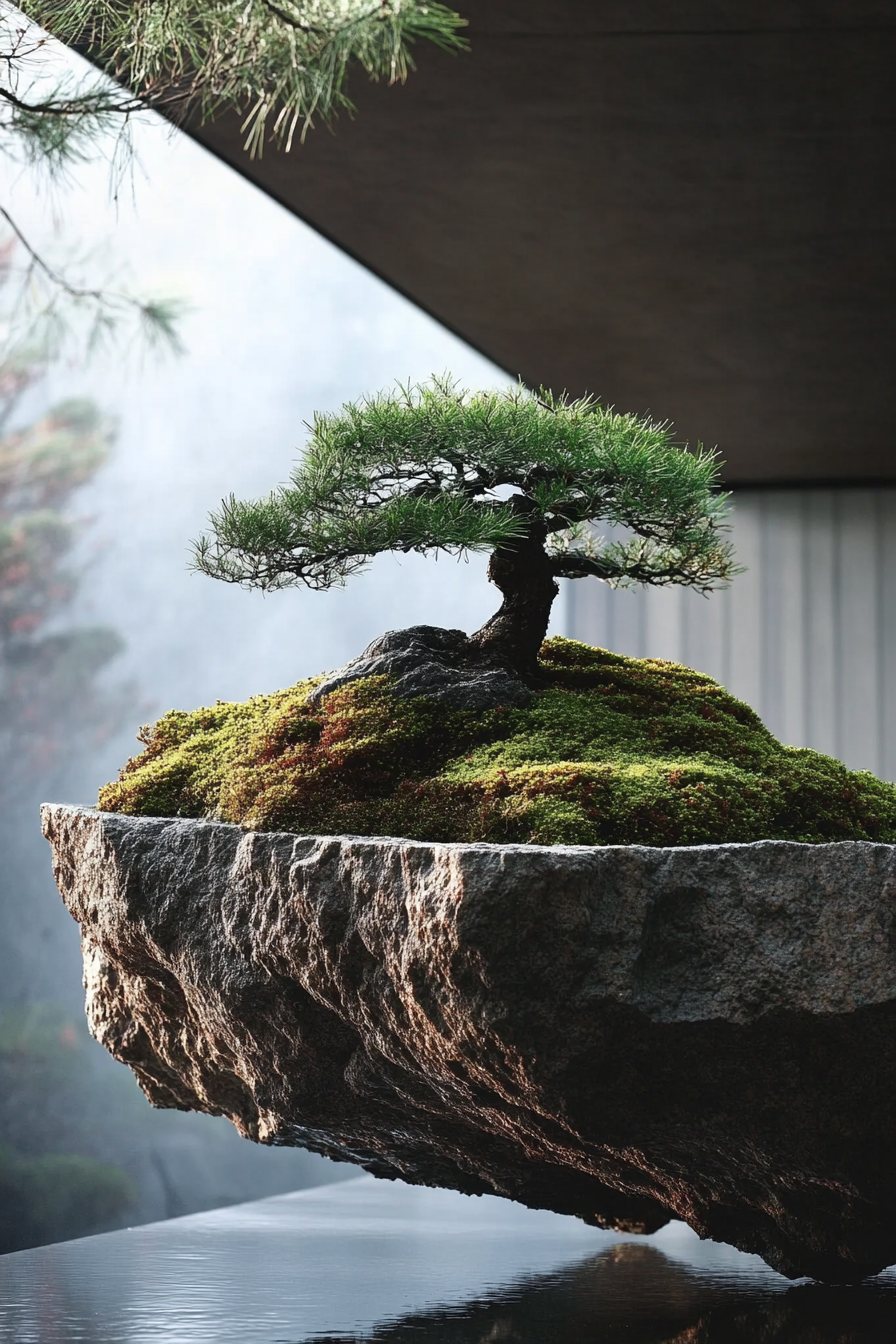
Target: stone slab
{"points": [[624, 1033]]}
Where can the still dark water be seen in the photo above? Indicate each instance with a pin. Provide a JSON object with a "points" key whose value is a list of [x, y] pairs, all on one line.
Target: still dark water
{"points": [[379, 1261]]}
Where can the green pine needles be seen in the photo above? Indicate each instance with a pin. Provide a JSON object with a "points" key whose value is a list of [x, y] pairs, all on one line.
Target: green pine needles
{"points": [[435, 468], [279, 63]]}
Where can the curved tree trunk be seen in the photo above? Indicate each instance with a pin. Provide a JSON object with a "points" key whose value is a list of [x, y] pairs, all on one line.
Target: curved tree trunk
{"points": [[514, 635]]}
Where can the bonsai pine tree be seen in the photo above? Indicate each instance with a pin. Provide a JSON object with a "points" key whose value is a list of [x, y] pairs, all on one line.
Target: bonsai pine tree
{"points": [[434, 468]]}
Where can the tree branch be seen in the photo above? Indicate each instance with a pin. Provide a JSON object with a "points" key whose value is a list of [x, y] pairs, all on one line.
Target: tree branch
{"points": [[320, 32], [87, 105], [661, 575], [56, 278], [154, 314]]}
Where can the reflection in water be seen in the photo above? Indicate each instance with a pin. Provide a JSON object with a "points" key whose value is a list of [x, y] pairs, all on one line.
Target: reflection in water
{"points": [[634, 1293], [631, 1291], [376, 1262]]}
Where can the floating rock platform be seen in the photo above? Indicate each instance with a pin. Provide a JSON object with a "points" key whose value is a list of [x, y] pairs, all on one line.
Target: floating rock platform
{"points": [[625, 1034]]}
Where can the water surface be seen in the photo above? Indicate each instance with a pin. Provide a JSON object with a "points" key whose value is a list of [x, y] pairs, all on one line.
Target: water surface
{"points": [[381, 1261]]}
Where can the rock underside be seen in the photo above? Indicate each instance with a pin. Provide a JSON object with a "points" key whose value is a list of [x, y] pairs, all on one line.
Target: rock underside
{"points": [[626, 1034]]}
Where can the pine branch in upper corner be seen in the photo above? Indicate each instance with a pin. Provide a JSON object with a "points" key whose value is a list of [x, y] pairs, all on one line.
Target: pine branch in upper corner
{"points": [[279, 63]]}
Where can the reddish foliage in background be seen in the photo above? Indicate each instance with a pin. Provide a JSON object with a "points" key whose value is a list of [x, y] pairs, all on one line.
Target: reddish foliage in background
{"points": [[48, 667]]}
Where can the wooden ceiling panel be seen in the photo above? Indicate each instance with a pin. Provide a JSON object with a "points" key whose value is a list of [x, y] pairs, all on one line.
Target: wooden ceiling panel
{"points": [[653, 202]]}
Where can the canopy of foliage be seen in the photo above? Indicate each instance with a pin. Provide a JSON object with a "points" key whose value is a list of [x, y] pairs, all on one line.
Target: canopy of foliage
{"points": [[433, 467], [613, 750]]}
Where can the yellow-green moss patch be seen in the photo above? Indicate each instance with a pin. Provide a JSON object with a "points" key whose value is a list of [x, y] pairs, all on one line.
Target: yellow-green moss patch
{"points": [[613, 750]]}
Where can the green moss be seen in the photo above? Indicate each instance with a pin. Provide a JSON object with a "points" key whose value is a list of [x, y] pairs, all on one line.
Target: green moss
{"points": [[613, 750]]}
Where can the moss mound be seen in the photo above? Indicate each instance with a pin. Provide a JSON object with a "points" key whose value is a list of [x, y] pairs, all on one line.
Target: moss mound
{"points": [[613, 751]]}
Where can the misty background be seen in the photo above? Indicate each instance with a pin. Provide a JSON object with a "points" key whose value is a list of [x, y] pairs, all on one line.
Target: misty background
{"points": [[279, 324]]}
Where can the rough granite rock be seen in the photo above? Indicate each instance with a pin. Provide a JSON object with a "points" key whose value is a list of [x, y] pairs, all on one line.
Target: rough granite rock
{"points": [[625, 1034], [426, 660]]}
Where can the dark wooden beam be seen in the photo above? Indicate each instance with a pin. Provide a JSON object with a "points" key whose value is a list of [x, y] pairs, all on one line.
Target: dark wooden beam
{"points": [[686, 207]]}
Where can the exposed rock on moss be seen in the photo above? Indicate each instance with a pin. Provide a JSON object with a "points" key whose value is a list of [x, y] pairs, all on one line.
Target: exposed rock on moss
{"points": [[437, 664], [612, 750]]}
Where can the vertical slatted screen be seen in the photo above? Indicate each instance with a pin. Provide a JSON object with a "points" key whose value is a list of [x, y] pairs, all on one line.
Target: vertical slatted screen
{"points": [[807, 635]]}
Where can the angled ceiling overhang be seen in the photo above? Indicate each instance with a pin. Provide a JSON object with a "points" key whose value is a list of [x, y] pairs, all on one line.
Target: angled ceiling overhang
{"points": [[686, 208]]}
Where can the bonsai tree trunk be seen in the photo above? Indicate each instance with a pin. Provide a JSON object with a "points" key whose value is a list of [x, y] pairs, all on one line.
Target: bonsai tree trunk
{"points": [[513, 636]]}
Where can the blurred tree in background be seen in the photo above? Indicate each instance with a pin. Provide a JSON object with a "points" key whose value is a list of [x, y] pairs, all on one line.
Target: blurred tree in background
{"points": [[48, 1195], [80, 1148], [54, 1120], [50, 699], [55, 707]]}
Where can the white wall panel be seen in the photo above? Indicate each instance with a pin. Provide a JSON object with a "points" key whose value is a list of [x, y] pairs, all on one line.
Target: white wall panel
{"points": [[886, 659], [806, 635], [784, 583], [821, 595], [858, 534], [665, 623], [744, 601]]}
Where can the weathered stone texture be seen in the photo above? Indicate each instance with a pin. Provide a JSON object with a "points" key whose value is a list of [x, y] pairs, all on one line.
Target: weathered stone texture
{"points": [[627, 1034], [439, 664]]}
